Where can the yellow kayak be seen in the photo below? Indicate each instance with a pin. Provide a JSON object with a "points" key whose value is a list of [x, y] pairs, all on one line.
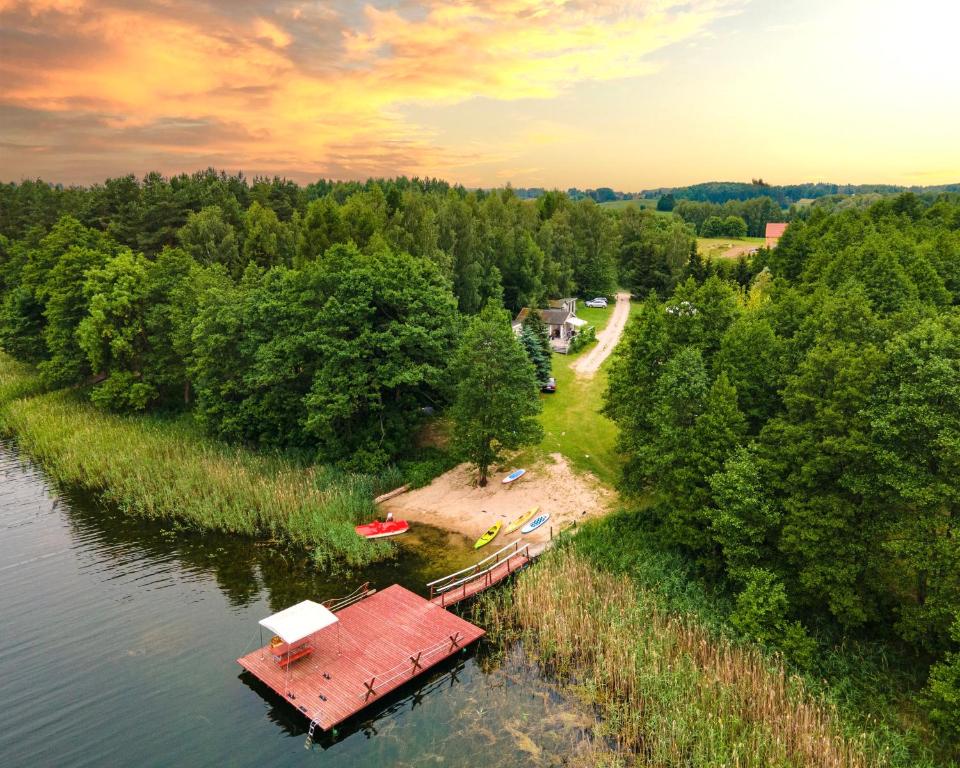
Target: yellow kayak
{"points": [[521, 520], [489, 536]]}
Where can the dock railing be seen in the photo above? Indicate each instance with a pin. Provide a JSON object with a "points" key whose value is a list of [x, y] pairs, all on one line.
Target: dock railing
{"points": [[336, 603], [416, 664], [481, 570]]}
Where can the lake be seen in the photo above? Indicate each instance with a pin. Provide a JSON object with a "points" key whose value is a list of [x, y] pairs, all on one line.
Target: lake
{"points": [[120, 638]]}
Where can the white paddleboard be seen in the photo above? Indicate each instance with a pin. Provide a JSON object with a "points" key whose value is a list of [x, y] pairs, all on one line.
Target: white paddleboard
{"points": [[535, 523]]}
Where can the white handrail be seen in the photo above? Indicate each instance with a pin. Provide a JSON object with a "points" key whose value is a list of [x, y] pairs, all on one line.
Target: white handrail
{"points": [[525, 550], [514, 544]]}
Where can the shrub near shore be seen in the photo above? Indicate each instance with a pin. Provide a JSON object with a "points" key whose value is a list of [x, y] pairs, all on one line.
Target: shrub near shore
{"points": [[163, 468]]}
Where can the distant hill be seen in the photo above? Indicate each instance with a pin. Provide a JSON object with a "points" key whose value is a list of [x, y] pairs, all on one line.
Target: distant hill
{"points": [[722, 191], [784, 194]]}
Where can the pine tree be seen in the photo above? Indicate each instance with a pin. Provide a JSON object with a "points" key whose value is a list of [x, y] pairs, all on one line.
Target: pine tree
{"points": [[533, 323], [497, 398], [541, 364], [696, 268]]}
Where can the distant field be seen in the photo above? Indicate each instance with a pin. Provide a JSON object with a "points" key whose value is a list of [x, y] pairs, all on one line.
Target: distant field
{"points": [[619, 205], [726, 247]]}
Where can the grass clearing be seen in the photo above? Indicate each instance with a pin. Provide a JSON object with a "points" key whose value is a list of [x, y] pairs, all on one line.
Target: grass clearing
{"points": [[645, 203], [165, 468], [727, 247], [571, 418]]}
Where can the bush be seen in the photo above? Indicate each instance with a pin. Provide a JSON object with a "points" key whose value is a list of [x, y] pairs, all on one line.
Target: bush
{"points": [[424, 467], [761, 615], [944, 689], [582, 339]]}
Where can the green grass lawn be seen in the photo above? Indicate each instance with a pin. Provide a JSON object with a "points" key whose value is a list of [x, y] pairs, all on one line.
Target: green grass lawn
{"points": [[716, 247], [571, 418]]}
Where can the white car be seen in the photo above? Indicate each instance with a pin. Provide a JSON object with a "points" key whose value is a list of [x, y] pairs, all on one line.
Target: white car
{"points": [[598, 303]]}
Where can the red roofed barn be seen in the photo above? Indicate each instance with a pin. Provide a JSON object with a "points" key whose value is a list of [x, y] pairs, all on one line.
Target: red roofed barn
{"points": [[773, 233]]}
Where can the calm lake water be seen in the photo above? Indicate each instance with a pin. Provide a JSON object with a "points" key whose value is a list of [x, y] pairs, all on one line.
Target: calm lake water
{"points": [[120, 638]]}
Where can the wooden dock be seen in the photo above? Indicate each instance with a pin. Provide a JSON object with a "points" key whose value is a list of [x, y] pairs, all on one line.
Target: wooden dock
{"points": [[384, 641], [493, 569]]}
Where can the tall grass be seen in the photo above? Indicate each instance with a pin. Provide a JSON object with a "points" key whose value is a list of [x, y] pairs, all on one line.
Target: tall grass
{"points": [[874, 686], [671, 693], [164, 468]]}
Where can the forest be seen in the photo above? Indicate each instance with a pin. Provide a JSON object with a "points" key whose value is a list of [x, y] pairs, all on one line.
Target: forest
{"points": [[319, 319], [790, 423], [800, 440]]}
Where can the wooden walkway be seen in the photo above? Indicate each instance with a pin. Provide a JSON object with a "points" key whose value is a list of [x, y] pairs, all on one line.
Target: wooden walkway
{"points": [[493, 569], [385, 640]]}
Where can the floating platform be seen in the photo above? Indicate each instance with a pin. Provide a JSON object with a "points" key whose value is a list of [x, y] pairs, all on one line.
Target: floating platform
{"points": [[380, 643]]}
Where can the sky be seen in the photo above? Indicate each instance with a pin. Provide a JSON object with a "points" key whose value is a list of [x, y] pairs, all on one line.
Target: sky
{"points": [[550, 93]]}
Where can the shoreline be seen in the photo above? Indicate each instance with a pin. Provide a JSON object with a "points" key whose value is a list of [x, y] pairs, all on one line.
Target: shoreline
{"points": [[454, 502]]}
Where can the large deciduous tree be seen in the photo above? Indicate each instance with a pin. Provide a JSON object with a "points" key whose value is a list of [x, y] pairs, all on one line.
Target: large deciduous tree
{"points": [[384, 334]]}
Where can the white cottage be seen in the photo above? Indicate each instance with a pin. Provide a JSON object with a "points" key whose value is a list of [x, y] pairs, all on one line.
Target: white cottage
{"points": [[561, 321]]}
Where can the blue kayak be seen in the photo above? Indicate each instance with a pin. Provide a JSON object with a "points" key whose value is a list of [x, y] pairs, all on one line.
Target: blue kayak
{"points": [[515, 475], [535, 523]]}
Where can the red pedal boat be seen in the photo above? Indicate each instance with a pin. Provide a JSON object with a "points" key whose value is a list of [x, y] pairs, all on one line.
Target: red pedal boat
{"points": [[378, 529]]}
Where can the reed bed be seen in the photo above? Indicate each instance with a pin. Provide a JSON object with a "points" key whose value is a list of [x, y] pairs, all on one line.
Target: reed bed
{"points": [[161, 468], [670, 693]]}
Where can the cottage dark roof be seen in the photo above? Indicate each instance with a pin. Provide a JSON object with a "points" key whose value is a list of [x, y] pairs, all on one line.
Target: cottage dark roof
{"points": [[551, 316], [554, 316], [521, 316]]}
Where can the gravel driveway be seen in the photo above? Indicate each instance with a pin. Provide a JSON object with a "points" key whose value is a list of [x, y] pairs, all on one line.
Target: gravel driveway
{"points": [[607, 339]]}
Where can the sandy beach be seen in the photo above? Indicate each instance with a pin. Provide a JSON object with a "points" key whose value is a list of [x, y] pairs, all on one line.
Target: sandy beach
{"points": [[454, 502]]}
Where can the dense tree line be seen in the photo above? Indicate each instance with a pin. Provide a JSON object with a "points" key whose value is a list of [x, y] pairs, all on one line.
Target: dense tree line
{"points": [[801, 437], [719, 220], [321, 318], [785, 194]]}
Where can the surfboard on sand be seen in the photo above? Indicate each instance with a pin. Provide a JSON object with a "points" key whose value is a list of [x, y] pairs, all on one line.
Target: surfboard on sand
{"points": [[515, 475]]}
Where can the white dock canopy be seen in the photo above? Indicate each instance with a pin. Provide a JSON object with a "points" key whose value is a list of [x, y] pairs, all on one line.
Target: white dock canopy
{"points": [[299, 621]]}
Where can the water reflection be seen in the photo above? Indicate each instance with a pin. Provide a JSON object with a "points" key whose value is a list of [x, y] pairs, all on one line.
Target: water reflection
{"points": [[121, 634], [244, 568]]}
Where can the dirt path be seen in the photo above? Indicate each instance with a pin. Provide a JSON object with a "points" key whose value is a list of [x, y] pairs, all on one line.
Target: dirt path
{"points": [[607, 339]]}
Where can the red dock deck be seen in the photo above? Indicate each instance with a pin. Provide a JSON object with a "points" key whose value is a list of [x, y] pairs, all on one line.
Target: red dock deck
{"points": [[385, 640]]}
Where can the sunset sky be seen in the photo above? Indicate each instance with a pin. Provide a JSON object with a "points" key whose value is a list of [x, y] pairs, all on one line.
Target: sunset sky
{"points": [[552, 93]]}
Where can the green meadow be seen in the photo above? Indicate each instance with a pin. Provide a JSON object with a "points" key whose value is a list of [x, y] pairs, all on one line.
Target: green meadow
{"points": [[572, 423]]}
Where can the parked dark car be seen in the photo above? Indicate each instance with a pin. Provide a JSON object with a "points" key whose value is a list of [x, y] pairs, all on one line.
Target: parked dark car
{"points": [[550, 387]]}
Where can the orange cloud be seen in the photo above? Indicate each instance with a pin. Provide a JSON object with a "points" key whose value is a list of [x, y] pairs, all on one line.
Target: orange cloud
{"points": [[91, 88]]}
